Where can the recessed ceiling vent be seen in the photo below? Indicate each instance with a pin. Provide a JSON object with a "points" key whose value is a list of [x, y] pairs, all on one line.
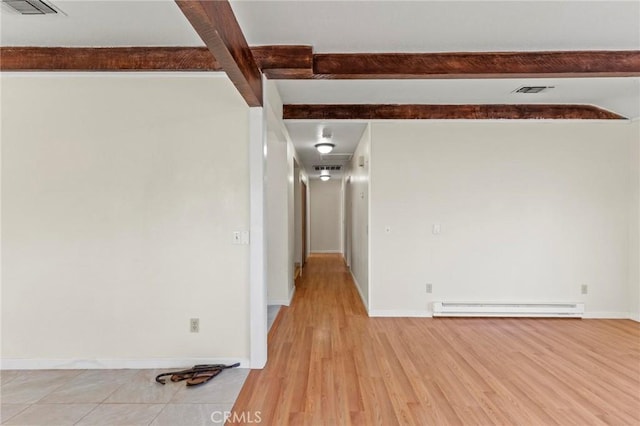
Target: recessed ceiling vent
{"points": [[320, 168], [30, 7], [334, 156], [532, 89]]}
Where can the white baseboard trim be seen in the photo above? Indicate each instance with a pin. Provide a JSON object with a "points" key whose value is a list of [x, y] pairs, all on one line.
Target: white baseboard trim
{"points": [[326, 252], [291, 294], [103, 364], [634, 317], [355, 281], [606, 315], [283, 302], [400, 313]]}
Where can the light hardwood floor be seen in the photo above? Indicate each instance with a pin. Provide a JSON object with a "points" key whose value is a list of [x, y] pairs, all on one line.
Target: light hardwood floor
{"points": [[329, 364]]}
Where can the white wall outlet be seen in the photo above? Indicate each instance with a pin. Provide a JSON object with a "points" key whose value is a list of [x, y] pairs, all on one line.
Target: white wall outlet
{"points": [[584, 289], [387, 230], [436, 229], [429, 288], [194, 325]]}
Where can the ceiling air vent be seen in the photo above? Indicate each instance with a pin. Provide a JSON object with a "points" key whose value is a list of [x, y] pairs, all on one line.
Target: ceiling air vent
{"points": [[320, 168], [334, 156], [532, 89], [30, 7]]}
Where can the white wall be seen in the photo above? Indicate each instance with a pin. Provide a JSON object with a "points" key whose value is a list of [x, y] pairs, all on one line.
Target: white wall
{"points": [[120, 194], [634, 226], [357, 189], [278, 264], [529, 211], [325, 204], [281, 254]]}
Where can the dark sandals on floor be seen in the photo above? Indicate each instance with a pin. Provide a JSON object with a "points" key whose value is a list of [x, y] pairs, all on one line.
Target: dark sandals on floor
{"points": [[197, 375]]}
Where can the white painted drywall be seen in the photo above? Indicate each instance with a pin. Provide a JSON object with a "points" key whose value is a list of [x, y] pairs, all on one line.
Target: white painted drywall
{"points": [[278, 261], [528, 211], [357, 189], [325, 204], [280, 202], [634, 226], [120, 194]]}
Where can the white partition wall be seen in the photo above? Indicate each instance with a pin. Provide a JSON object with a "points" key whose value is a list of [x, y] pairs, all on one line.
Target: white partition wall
{"points": [[120, 197], [504, 212]]}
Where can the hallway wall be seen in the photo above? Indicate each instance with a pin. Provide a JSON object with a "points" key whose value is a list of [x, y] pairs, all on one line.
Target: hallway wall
{"points": [[634, 224], [358, 191], [325, 216], [280, 200]]}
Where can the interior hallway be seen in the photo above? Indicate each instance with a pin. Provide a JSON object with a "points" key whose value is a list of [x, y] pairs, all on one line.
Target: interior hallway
{"points": [[329, 364]]}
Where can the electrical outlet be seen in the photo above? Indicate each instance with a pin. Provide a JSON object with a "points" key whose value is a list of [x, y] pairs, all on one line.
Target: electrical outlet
{"points": [[194, 325], [584, 289], [429, 287]]}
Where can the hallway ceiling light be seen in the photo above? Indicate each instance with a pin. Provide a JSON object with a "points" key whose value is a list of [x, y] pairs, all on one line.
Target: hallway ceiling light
{"points": [[324, 147], [325, 178]]}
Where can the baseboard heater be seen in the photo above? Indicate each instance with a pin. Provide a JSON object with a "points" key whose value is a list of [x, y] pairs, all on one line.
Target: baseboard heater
{"points": [[550, 310]]}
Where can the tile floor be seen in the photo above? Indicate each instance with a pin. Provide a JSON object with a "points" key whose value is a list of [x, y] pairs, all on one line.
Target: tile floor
{"points": [[114, 398], [272, 312]]}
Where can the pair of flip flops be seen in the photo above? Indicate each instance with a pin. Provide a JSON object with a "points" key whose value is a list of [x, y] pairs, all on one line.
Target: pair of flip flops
{"points": [[197, 375]]}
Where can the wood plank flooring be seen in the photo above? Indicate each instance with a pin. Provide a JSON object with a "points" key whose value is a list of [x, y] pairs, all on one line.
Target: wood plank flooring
{"points": [[329, 364]]}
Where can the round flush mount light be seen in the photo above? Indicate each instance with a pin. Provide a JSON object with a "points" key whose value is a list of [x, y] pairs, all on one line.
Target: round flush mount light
{"points": [[324, 148], [325, 178]]}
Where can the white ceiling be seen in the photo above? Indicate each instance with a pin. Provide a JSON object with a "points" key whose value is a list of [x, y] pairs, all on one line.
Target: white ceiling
{"points": [[345, 135], [372, 26], [619, 95], [98, 23], [442, 26]]}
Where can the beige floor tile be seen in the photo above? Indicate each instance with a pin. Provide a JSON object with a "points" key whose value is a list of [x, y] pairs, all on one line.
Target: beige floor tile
{"points": [[192, 414], [51, 414], [223, 389], [32, 385], [9, 410], [7, 375], [90, 386], [143, 389], [122, 415]]}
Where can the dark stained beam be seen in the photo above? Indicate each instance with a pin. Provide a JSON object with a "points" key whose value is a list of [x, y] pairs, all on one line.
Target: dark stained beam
{"points": [[292, 57], [299, 62], [477, 65], [446, 112], [143, 58], [217, 26], [107, 59]]}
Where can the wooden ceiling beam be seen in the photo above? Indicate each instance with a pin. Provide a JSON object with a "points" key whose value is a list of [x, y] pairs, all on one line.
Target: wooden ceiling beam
{"points": [[477, 65], [143, 58], [446, 112], [216, 24], [299, 62], [107, 59]]}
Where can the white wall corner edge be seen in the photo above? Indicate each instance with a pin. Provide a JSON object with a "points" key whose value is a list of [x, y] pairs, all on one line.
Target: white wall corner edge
{"points": [[364, 301], [108, 364], [283, 302]]}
